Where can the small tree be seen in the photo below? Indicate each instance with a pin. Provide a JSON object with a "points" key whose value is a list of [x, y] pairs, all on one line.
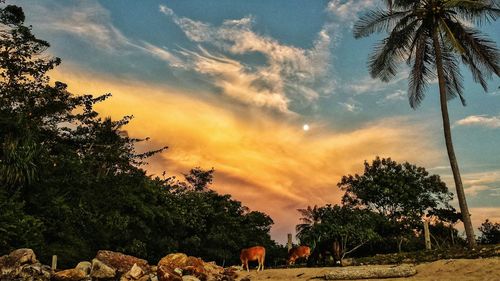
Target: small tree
{"points": [[490, 232]]}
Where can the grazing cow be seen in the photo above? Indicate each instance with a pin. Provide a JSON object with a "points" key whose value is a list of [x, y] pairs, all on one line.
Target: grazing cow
{"points": [[323, 249], [257, 253], [297, 253]]}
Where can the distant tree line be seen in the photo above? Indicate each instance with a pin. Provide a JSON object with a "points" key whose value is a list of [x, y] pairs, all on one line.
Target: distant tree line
{"points": [[382, 211], [71, 181]]}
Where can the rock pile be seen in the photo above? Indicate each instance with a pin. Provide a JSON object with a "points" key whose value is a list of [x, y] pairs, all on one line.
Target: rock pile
{"points": [[22, 265], [178, 266]]}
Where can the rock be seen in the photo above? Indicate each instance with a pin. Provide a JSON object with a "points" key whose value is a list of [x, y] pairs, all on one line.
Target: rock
{"points": [[164, 273], [169, 266], [84, 266], [17, 258], [189, 278], [23, 256], [74, 274], [120, 262], [101, 270], [21, 265], [135, 273], [178, 265]]}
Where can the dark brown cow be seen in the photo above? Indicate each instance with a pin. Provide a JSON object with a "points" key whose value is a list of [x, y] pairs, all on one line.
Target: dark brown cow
{"points": [[257, 253], [323, 249], [297, 253]]}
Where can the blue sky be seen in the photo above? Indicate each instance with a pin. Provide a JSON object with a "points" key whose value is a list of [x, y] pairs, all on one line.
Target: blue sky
{"points": [[229, 84]]}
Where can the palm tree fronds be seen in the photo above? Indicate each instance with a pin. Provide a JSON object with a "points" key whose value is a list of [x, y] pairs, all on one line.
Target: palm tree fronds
{"points": [[453, 77], [376, 21], [450, 37], [389, 52], [421, 71], [481, 54], [405, 4], [476, 11]]}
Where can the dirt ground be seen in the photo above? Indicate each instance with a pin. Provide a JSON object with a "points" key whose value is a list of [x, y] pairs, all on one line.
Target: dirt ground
{"points": [[455, 270]]}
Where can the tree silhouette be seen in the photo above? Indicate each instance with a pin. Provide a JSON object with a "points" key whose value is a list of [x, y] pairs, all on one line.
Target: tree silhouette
{"points": [[432, 37]]}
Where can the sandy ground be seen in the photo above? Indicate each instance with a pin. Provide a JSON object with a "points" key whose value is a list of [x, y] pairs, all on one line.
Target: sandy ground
{"points": [[456, 270]]}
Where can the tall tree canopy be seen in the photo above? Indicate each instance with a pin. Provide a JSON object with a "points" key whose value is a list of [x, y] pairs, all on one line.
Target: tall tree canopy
{"points": [[433, 37], [403, 193]]}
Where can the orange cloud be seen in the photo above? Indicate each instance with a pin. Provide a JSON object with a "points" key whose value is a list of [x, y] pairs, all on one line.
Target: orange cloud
{"points": [[263, 159]]}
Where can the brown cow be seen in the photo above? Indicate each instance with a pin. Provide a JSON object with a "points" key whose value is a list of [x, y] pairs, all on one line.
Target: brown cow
{"points": [[297, 253], [257, 253]]}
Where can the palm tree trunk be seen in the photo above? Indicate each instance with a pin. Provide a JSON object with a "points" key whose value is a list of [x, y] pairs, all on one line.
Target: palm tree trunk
{"points": [[469, 231]]}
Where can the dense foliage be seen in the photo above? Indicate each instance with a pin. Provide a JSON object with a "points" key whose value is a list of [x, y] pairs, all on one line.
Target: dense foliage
{"points": [[71, 182], [381, 209], [402, 193], [490, 232]]}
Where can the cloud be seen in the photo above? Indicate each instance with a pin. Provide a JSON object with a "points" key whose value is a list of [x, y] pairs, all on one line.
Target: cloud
{"points": [[473, 190], [236, 82], [91, 23], [351, 105], [87, 20], [162, 54], [369, 85], [396, 96], [480, 120], [290, 74], [479, 183], [348, 10], [266, 161]]}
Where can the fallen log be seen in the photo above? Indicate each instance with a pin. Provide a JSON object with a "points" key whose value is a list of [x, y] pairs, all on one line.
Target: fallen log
{"points": [[370, 272]]}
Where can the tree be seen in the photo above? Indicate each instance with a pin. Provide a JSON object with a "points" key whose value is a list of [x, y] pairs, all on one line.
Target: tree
{"points": [[310, 217], [403, 193], [350, 227], [490, 232], [432, 37]]}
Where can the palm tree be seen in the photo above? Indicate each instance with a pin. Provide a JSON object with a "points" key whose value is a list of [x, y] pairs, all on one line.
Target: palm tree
{"points": [[310, 218], [433, 36]]}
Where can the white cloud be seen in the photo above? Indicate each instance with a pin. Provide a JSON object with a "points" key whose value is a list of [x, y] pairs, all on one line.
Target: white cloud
{"points": [[351, 105], [496, 92], [372, 85], [480, 120], [475, 183], [87, 20], [290, 73], [473, 190], [347, 11], [235, 81], [397, 95], [162, 54]]}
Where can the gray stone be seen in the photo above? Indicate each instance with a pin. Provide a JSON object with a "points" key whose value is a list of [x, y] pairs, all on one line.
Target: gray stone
{"points": [[84, 266]]}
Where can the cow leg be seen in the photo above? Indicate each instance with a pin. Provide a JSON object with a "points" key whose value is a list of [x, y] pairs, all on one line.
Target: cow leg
{"points": [[261, 263]]}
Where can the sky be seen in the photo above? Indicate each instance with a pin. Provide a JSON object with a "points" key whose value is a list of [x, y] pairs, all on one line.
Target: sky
{"points": [[230, 84]]}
